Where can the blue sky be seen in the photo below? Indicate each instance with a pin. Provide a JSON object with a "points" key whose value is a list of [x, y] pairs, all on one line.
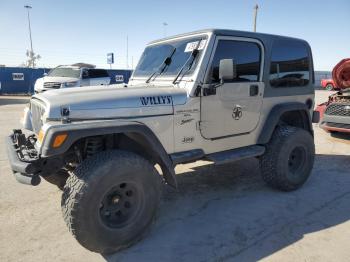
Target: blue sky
{"points": [[84, 31]]}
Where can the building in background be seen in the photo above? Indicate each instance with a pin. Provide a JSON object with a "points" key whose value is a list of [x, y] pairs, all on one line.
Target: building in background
{"points": [[21, 80], [319, 75]]}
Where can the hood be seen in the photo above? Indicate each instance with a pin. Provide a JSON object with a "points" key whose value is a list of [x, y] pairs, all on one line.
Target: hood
{"points": [[98, 102], [39, 83]]}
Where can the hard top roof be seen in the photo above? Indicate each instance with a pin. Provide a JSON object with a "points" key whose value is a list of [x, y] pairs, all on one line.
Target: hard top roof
{"points": [[77, 66], [229, 32]]}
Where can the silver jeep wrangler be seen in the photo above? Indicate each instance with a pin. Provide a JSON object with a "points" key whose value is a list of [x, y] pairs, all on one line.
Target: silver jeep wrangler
{"points": [[217, 95]]}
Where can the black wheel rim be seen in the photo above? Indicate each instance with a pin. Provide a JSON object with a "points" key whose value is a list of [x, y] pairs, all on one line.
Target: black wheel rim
{"points": [[296, 160], [120, 205]]}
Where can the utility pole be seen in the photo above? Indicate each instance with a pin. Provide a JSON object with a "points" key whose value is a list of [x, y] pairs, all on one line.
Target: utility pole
{"points": [[164, 28], [256, 7], [31, 54]]}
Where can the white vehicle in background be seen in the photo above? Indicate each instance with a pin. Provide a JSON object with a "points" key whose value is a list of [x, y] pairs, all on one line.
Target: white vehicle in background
{"points": [[67, 76]]}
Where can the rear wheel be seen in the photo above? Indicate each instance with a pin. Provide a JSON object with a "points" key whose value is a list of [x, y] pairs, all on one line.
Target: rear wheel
{"points": [[289, 158], [111, 200]]}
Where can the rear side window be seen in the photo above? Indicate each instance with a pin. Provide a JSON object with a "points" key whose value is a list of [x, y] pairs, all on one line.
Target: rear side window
{"points": [[290, 64], [246, 55], [96, 73]]}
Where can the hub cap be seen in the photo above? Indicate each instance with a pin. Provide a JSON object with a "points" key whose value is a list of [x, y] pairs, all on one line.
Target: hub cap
{"points": [[120, 205], [296, 159]]}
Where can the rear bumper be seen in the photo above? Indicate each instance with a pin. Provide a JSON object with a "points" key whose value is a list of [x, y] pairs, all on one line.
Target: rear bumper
{"points": [[25, 164]]}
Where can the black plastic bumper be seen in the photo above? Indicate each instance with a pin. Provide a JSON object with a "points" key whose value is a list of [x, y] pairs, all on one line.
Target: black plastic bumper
{"points": [[25, 171]]}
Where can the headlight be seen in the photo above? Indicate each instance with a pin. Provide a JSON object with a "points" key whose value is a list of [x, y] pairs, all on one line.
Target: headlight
{"points": [[70, 84]]}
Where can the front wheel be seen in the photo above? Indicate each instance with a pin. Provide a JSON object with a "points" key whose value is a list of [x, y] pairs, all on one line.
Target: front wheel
{"points": [[288, 159], [111, 200]]}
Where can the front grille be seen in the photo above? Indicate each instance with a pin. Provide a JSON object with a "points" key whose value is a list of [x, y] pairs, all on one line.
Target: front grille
{"points": [[55, 85], [338, 125], [338, 110], [37, 109]]}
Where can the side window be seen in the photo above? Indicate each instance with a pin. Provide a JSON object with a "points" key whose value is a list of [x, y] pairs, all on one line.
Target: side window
{"points": [[246, 56], [85, 74], [289, 64], [96, 73]]}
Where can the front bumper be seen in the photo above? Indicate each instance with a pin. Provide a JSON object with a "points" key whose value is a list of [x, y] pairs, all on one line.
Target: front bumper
{"points": [[335, 127], [335, 123], [24, 160]]}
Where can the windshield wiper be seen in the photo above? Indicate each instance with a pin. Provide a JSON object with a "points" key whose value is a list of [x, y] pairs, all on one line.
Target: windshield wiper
{"points": [[165, 64], [193, 57]]}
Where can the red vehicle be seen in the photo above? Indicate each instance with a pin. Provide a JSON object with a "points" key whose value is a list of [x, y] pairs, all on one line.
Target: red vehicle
{"points": [[335, 113], [328, 84]]}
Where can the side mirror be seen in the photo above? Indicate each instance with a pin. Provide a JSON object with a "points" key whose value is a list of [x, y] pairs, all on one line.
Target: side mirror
{"points": [[227, 70]]}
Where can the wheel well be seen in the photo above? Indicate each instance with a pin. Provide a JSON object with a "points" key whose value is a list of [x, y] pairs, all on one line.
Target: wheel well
{"points": [[133, 142], [129, 141], [137, 143], [293, 114], [297, 118]]}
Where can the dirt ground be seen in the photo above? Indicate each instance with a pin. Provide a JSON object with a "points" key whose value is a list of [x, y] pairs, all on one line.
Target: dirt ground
{"points": [[221, 213]]}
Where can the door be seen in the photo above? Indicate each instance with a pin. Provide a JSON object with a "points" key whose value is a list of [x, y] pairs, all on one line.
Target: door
{"points": [[85, 78], [233, 107], [99, 77]]}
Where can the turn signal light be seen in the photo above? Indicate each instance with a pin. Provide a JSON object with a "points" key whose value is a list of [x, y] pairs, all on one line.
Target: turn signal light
{"points": [[41, 136], [59, 139]]}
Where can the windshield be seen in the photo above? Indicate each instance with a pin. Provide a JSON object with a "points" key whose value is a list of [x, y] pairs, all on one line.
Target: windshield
{"points": [[65, 72], [153, 56]]}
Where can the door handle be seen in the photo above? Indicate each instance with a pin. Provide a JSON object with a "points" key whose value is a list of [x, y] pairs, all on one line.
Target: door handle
{"points": [[253, 90]]}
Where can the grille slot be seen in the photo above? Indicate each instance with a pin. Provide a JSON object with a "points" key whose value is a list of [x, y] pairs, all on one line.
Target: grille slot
{"points": [[54, 85], [37, 109], [338, 110]]}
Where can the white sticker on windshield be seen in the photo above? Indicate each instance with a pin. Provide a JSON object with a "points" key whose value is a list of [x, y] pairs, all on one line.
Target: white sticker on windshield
{"points": [[193, 45]]}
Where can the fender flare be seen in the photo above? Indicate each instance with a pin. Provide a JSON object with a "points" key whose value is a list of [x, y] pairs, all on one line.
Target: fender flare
{"points": [[274, 117], [79, 131]]}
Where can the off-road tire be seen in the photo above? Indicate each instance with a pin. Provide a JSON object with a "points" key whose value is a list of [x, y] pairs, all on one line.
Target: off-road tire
{"points": [[59, 178], [88, 187], [288, 144]]}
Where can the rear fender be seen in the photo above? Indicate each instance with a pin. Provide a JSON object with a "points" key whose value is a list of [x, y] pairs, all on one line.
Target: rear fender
{"points": [[275, 115]]}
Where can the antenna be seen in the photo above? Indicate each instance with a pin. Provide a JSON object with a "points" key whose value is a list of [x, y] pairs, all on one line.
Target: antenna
{"points": [[256, 7]]}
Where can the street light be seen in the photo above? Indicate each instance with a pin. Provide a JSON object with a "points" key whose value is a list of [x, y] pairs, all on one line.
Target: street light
{"points": [[31, 56], [30, 30]]}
